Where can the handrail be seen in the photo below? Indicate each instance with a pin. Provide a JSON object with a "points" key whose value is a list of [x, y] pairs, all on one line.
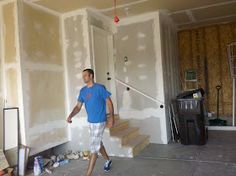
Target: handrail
{"points": [[138, 91]]}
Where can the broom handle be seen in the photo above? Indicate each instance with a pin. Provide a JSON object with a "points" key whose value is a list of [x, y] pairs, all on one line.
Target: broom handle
{"points": [[218, 100], [233, 113]]}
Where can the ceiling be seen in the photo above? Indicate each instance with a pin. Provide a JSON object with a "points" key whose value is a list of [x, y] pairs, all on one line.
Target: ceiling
{"points": [[185, 13]]}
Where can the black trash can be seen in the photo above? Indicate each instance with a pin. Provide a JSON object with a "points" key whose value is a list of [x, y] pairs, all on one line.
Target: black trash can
{"points": [[192, 128]]}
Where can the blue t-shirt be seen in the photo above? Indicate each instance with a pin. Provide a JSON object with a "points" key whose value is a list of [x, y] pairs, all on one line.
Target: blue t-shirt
{"points": [[94, 99]]}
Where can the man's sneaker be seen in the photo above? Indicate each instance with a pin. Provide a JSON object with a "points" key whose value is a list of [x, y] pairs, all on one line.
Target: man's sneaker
{"points": [[107, 165]]}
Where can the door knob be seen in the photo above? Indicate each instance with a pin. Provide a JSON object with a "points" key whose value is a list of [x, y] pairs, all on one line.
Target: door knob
{"points": [[108, 78]]}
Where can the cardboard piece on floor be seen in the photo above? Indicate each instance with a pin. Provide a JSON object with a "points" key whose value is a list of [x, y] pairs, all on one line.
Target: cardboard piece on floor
{"points": [[23, 160], [3, 161]]}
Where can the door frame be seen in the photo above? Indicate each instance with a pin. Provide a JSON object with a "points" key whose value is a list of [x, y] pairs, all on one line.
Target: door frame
{"points": [[111, 61]]}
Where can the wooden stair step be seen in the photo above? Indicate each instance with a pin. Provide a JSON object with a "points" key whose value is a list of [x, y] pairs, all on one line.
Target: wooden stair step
{"points": [[138, 144], [119, 126], [127, 134]]}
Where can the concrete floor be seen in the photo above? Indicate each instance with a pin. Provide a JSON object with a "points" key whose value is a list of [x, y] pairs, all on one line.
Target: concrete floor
{"points": [[217, 158]]}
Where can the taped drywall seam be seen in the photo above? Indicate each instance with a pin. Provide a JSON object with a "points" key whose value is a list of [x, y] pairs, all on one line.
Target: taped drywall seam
{"points": [[28, 65], [159, 69], [74, 13], [11, 65], [23, 77], [190, 16], [1, 60], [138, 18], [92, 49], [123, 5], [210, 19], [64, 58], [182, 27], [4, 86], [99, 16], [4, 2], [86, 31], [45, 9], [19, 76], [204, 7], [33, 1], [87, 41]]}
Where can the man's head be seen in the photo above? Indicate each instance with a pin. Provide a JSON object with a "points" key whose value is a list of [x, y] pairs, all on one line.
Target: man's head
{"points": [[88, 75]]}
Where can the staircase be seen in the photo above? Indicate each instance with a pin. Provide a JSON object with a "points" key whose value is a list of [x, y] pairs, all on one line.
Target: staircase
{"points": [[124, 141]]}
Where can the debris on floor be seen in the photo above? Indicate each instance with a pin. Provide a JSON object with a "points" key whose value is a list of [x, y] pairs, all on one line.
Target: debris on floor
{"points": [[42, 165], [86, 155]]}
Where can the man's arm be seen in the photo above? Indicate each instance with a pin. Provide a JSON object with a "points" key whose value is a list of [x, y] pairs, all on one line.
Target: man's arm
{"points": [[111, 120], [75, 111]]}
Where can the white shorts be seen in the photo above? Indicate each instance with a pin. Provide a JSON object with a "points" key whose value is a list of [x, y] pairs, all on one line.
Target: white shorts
{"points": [[96, 131]]}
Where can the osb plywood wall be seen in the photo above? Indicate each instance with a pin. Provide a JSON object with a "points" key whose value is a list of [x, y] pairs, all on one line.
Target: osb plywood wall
{"points": [[205, 49]]}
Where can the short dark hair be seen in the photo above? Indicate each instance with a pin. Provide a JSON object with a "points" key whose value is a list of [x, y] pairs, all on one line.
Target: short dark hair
{"points": [[90, 71]]}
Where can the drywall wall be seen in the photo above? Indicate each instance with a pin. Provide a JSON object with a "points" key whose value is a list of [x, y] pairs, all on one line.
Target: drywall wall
{"points": [[77, 58], [138, 41], [9, 54], [77, 49], [1, 103], [11, 87], [1, 123], [169, 47], [45, 27], [44, 94], [9, 32], [205, 49]]}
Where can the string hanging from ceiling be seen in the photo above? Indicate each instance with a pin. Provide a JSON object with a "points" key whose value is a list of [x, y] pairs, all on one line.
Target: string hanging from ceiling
{"points": [[116, 18]]}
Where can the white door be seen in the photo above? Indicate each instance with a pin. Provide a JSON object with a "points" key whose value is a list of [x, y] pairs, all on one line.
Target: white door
{"points": [[103, 63]]}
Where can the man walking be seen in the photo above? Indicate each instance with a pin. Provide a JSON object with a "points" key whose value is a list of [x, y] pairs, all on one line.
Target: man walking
{"points": [[95, 97]]}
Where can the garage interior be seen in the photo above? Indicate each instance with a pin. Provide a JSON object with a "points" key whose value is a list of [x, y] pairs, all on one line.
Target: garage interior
{"points": [[146, 53]]}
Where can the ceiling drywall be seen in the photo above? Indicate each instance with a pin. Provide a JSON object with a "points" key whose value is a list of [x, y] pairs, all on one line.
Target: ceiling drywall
{"points": [[185, 13]]}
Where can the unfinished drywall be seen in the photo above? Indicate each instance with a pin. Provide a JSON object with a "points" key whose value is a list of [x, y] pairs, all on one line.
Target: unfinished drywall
{"points": [[78, 57], [42, 41], [1, 104], [77, 50], [100, 21], [139, 65], [11, 87], [9, 54], [205, 49], [44, 94], [9, 32], [51, 84], [10, 90], [169, 47], [76, 53], [1, 98]]}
